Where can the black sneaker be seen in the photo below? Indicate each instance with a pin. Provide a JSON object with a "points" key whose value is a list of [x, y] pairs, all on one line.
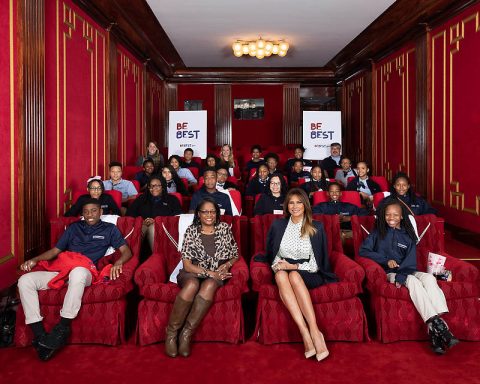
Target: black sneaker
{"points": [[436, 342], [57, 338], [440, 328], [43, 353]]}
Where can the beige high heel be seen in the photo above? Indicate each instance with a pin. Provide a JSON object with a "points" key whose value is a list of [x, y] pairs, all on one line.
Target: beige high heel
{"points": [[322, 355], [310, 353]]}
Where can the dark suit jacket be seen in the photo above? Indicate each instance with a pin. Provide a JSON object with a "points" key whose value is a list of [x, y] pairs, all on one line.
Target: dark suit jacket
{"points": [[319, 245]]}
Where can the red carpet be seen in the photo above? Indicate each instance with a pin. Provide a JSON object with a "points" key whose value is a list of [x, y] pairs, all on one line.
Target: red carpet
{"points": [[404, 362]]}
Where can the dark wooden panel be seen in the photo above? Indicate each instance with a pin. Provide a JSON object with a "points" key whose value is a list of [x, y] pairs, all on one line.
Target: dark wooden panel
{"points": [[111, 96], [400, 23], [33, 45], [421, 114], [317, 76], [137, 28], [171, 104], [223, 114], [292, 131]]}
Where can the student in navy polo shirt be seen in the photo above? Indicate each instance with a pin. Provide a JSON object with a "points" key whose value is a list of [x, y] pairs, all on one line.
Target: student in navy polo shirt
{"points": [[209, 188], [345, 211], [90, 237]]}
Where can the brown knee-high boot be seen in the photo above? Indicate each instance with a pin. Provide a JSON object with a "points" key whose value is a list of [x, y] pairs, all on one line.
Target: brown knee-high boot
{"points": [[199, 310], [177, 318]]}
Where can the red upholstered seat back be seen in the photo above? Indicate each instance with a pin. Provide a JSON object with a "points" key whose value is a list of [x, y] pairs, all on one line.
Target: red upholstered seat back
{"points": [[352, 197], [320, 197], [165, 246], [359, 234], [117, 197], [178, 195], [381, 181], [129, 171]]}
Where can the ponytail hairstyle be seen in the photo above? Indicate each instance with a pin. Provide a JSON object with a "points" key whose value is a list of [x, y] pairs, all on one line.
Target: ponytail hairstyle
{"points": [[381, 222], [308, 229]]}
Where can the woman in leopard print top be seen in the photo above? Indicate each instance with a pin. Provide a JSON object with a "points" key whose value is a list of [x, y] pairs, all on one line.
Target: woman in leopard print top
{"points": [[208, 253]]}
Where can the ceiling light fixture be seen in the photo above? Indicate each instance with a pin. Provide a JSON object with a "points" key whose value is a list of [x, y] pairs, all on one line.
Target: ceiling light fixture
{"points": [[260, 48]]}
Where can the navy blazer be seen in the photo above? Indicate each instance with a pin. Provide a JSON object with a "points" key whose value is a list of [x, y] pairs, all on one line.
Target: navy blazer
{"points": [[319, 245]]}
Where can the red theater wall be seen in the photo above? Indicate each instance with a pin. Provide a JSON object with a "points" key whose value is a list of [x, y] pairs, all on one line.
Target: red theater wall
{"points": [[454, 134], [9, 113], [394, 114], [205, 93], [76, 130], [267, 131], [356, 112], [131, 133]]}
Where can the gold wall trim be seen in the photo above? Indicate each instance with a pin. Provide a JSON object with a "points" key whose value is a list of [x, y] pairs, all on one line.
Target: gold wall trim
{"points": [[444, 118], [8, 257], [457, 34], [13, 228]]}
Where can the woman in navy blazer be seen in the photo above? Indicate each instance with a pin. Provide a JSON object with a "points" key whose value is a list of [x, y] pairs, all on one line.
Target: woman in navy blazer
{"points": [[297, 251]]}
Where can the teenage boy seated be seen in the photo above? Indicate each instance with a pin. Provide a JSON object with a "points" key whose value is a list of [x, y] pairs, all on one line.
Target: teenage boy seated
{"points": [[345, 211], [222, 176], [297, 155], [297, 172], [256, 160], [84, 242], [343, 174], [188, 161], [209, 188], [271, 159], [116, 182], [143, 176]]}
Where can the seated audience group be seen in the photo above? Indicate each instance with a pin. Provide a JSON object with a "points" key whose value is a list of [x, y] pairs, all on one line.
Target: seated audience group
{"points": [[296, 244]]}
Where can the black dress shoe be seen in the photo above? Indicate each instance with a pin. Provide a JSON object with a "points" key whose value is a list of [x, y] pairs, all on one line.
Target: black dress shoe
{"points": [[57, 338]]}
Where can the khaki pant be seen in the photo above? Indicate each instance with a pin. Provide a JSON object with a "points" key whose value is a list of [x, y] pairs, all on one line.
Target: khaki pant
{"points": [[425, 293], [32, 282]]}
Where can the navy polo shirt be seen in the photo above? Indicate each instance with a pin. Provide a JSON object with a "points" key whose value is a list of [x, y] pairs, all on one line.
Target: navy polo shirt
{"points": [[222, 200], [90, 240]]}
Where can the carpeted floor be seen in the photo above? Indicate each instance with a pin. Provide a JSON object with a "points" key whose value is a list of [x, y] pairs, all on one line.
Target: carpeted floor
{"points": [[397, 363]]}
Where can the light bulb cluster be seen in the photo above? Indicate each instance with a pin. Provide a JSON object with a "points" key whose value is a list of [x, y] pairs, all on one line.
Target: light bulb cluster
{"points": [[260, 48]]}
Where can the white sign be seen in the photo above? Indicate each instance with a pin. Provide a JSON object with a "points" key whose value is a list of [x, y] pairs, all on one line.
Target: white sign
{"points": [[187, 129], [320, 129]]}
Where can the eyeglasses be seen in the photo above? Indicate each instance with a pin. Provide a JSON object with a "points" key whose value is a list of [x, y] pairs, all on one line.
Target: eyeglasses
{"points": [[95, 188], [276, 184], [152, 186], [205, 212]]}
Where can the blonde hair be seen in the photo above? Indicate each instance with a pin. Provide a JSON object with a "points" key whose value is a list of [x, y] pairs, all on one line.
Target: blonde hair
{"points": [[230, 161], [308, 229]]}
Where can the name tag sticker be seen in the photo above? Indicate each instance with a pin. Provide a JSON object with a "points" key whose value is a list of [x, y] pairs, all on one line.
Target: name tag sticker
{"points": [[401, 245], [277, 212], [98, 237]]}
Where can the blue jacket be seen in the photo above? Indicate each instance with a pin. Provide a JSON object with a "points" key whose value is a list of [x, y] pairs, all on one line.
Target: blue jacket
{"points": [[397, 245]]}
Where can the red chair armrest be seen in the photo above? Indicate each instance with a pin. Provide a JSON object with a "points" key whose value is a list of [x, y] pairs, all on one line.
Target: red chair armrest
{"points": [[347, 270], [261, 273], [152, 271], [240, 274], [461, 270], [374, 273]]}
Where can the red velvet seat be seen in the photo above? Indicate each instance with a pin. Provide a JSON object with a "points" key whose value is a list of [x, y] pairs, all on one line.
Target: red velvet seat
{"points": [[378, 197], [337, 306], [101, 319], [224, 321], [129, 171], [382, 182], [395, 316]]}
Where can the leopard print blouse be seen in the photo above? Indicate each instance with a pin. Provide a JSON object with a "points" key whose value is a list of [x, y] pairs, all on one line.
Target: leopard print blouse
{"points": [[225, 246]]}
